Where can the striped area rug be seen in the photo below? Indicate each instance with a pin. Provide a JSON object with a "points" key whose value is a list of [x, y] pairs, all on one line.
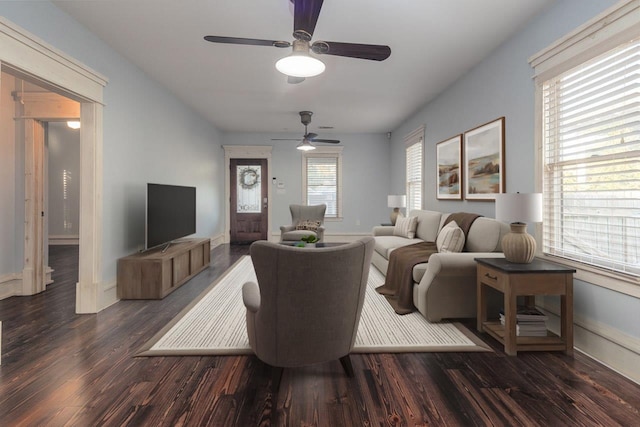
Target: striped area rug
{"points": [[214, 324]]}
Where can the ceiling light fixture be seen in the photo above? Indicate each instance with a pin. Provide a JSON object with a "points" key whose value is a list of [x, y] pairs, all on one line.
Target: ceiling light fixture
{"points": [[73, 124], [299, 63], [305, 145]]}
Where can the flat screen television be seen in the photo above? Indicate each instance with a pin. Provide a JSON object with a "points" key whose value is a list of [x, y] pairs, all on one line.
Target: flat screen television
{"points": [[170, 213]]}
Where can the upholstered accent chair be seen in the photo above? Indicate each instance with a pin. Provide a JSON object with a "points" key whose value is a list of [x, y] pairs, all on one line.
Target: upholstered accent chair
{"points": [[305, 221], [306, 306]]}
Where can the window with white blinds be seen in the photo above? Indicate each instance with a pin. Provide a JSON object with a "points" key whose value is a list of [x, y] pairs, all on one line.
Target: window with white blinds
{"points": [[414, 164], [322, 180], [591, 161]]}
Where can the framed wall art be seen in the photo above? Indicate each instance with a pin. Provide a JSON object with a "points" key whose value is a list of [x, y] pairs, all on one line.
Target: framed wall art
{"points": [[484, 161], [449, 168]]}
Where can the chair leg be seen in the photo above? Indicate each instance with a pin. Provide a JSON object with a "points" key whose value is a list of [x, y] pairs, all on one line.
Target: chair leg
{"points": [[276, 377], [345, 361]]}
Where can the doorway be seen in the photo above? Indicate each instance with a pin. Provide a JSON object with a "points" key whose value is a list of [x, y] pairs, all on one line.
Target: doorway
{"points": [[64, 75], [62, 199], [44, 151], [249, 200], [254, 153]]}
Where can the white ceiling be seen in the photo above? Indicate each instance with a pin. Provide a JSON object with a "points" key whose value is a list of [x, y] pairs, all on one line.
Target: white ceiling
{"points": [[237, 88]]}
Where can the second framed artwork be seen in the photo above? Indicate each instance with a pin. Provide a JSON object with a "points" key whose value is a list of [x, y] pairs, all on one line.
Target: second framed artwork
{"points": [[483, 169], [449, 164]]}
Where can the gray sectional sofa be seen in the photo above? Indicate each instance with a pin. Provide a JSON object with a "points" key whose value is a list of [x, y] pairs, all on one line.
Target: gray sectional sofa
{"points": [[444, 287]]}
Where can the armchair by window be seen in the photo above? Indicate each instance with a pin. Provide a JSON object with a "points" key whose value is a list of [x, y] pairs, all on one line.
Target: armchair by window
{"points": [[305, 221], [306, 306]]}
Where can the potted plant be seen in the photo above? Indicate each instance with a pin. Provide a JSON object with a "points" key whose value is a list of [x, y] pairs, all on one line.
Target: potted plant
{"points": [[309, 240]]}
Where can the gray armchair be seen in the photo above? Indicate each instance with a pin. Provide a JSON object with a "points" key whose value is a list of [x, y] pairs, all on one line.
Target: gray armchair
{"points": [[306, 306], [305, 221]]}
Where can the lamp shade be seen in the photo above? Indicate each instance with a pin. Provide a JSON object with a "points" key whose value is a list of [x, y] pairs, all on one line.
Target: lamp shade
{"points": [[396, 201], [519, 207]]}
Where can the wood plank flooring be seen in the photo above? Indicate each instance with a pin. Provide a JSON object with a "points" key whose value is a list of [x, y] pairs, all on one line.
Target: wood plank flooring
{"points": [[63, 369]]}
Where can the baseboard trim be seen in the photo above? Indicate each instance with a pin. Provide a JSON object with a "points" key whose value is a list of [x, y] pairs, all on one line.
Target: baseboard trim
{"points": [[609, 346], [10, 285], [217, 240], [109, 294], [64, 240]]}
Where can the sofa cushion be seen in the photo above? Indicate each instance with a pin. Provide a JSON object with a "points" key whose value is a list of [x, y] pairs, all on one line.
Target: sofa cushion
{"points": [[385, 244], [451, 238], [405, 227], [485, 235], [428, 224]]}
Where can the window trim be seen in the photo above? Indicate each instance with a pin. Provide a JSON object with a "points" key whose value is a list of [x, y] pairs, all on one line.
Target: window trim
{"points": [[604, 32], [326, 152]]}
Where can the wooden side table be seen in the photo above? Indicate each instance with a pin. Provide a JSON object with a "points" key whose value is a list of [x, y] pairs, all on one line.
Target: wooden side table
{"points": [[513, 280]]}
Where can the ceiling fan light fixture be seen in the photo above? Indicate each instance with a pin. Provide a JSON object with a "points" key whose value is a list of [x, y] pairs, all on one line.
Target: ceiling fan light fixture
{"points": [[305, 146], [297, 65]]}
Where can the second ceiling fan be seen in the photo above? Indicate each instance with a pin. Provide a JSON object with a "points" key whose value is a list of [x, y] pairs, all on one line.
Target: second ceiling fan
{"points": [[309, 137], [300, 64]]}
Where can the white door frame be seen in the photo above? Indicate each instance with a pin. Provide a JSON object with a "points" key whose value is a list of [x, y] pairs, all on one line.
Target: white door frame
{"points": [[27, 55], [244, 152]]}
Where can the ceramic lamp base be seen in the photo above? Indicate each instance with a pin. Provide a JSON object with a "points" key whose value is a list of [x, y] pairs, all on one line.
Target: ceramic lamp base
{"points": [[519, 246], [394, 215]]}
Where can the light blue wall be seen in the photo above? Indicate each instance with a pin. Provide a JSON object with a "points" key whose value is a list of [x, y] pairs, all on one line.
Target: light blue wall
{"points": [[63, 145], [502, 85], [9, 232], [149, 136], [364, 182]]}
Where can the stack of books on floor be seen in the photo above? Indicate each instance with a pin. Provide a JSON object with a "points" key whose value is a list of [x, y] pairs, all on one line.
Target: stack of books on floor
{"points": [[530, 322]]}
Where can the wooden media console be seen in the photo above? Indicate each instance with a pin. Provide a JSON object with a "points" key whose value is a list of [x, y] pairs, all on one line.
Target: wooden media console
{"points": [[155, 274]]}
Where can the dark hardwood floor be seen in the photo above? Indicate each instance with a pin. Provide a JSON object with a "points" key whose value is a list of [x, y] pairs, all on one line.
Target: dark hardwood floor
{"points": [[59, 368]]}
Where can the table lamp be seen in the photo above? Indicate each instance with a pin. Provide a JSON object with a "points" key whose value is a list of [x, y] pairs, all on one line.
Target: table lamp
{"points": [[519, 209], [396, 202]]}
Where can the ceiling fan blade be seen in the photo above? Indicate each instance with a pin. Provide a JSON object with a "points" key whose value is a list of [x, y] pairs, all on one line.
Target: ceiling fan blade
{"points": [[373, 52], [305, 16], [310, 136], [252, 42], [327, 141], [294, 80]]}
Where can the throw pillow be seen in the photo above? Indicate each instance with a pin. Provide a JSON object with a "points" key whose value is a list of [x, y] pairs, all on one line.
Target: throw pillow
{"points": [[406, 227], [308, 225], [451, 238]]}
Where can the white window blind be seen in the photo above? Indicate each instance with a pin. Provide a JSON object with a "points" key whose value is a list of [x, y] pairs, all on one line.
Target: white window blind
{"points": [[322, 182], [414, 163], [591, 161]]}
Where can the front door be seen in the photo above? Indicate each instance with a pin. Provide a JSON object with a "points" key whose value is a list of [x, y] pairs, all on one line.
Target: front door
{"points": [[248, 184]]}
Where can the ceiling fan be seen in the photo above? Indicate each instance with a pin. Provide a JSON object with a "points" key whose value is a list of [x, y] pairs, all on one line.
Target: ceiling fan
{"points": [[308, 138], [300, 64]]}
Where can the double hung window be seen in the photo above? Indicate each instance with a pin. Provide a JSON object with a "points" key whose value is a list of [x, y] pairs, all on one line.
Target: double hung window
{"points": [[414, 161], [322, 183], [588, 102]]}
